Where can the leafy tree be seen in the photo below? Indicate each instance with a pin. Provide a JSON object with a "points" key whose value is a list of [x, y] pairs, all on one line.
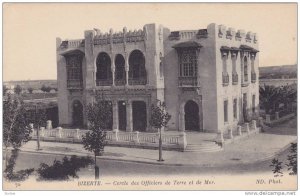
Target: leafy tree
{"points": [[5, 89], [30, 90], [99, 117], [159, 119], [268, 97], [292, 158], [9, 173], [287, 95], [63, 170], [37, 116], [15, 126], [45, 88], [18, 89], [277, 167]]}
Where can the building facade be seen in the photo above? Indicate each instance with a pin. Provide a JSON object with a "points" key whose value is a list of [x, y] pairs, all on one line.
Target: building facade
{"points": [[208, 78]]}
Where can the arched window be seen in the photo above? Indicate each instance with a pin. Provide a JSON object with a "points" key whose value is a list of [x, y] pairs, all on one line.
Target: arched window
{"points": [[137, 70], [103, 74], [245, 69], [120, 74], [77, 115], [191, 116]]}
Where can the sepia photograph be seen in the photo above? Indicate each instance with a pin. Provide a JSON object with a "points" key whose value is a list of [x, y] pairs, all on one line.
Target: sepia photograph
{"points": [[149, 96]]}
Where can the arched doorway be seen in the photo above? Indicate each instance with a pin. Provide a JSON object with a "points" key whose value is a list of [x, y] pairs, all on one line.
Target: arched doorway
{"points": [[77, 116], [122, 115], [139, 115], [191, 117]]}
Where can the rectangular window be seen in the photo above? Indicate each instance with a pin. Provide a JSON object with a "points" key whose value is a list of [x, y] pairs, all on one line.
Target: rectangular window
{"points": [[226, 111], [253, 103], [235, 108]]}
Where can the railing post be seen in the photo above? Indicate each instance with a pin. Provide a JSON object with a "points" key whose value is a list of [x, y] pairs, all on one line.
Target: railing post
{"points": [[42, 133], [49, 125], [230, 133], [115, 135], [268, 118], [247, 127], [254, 125], [220, 138], [182, 140], [276, 115], [136, 137], [59, 132], [239, 130], [77, 134]]}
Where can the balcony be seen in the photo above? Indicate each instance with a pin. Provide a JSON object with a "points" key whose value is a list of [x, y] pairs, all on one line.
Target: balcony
{"points": [[74, 84], [104, 82], [235, 78], [225, 79], [120, 82], [137, 81], [187, 81], [253, 77]]}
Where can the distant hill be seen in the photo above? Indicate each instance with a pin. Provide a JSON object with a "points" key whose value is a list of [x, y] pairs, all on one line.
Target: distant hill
{"points": [[35, 84], [276, 72]]}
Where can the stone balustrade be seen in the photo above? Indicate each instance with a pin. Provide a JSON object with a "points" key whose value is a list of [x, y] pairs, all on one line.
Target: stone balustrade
{"points": [[76, 43], [120, 138]]}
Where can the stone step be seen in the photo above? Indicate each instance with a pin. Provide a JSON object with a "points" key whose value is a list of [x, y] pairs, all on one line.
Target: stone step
{"points": [[203, 147], [204, 150], [199, 145]]}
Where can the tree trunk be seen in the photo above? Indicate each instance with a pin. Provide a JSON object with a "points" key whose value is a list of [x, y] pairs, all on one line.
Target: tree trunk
{"points": [[96, 169], [6, 157], [38, 138], [160, 147]]}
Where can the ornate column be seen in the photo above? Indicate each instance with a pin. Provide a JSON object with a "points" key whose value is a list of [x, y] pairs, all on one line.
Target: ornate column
{"points": [[115, 116], [113, 68], [181, 120], [126, 68], [129, 116]]}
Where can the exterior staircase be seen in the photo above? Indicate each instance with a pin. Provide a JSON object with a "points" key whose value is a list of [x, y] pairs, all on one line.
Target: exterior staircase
{"points": [[204, 146]]}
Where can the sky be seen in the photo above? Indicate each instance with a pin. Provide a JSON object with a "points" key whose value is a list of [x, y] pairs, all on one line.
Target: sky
{"points": [[30, 29]]}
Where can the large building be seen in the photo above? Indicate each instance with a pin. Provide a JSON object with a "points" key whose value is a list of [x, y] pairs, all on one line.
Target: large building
{"points": [[208, 78]]}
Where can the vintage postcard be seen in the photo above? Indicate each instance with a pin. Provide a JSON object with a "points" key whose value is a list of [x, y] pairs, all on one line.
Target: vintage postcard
{"points": [[150, 96]]}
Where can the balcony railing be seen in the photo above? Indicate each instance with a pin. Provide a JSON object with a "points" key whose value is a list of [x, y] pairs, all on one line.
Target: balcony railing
{"points": [[225, 79], [187, 81], [253, 77], [137, 81], [74, 84], [235, 78], [120, 82], [104, 82]]}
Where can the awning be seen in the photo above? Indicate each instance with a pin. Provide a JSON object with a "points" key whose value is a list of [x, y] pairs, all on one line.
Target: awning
{"points": [[188, 44], [248, 48], [225, 48], [235, 49], [72, 52]]}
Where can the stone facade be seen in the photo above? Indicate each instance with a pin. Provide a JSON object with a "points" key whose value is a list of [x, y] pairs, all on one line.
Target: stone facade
{"points": [[202, 75]]}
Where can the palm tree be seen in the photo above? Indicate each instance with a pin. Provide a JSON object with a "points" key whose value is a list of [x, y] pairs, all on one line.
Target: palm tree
{"points": [[269, 97]]}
